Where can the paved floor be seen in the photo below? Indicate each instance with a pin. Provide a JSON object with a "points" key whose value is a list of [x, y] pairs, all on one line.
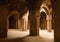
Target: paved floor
{"points": [[14, 33], [22, 36]]}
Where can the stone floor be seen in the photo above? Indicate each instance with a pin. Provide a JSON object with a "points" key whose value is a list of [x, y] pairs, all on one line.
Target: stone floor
{"points": [[22, 36]]}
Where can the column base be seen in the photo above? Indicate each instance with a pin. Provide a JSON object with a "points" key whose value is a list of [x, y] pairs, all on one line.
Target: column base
{"points": [[3, 35], [33, 35], [49, 31]]}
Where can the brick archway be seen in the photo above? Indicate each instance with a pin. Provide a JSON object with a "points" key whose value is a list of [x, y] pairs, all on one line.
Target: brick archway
{"points": [[12, 19], [12, 22], [48, 17], [43, 22]]}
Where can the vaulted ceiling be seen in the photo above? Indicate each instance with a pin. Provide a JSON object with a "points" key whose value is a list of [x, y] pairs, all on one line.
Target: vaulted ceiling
{"points": [[22, 5]]}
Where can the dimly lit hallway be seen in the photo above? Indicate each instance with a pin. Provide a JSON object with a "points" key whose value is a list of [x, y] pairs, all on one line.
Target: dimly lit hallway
{"points": [[34, 8]]}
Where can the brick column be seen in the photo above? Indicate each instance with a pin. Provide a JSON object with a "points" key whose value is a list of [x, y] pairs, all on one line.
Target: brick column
{"points": [[23, 24], [49, 23], [3, 22], [34, 29], [56, 19]]}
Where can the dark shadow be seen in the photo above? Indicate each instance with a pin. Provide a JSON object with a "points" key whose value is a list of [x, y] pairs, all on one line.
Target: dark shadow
{"points": [[12, 22], [24, 39], [43, 22]]}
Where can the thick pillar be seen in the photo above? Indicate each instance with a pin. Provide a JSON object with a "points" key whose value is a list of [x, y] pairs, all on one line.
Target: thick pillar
{"points": [[17, 22], [24, 24], [20, 24], [49, 23], [34, 29], [56, 19], [3, 22], [25, 21]]}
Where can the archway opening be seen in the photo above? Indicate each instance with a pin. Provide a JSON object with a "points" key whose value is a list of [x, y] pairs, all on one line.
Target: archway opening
{"points": [[12, 22], [43, 22]]}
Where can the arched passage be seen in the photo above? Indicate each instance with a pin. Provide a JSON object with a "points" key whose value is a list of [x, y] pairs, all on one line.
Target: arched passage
{"points": [[43, 22], [12, 22]]}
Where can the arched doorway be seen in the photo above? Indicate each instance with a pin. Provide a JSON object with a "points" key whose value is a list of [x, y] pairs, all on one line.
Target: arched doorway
{"points": [[43, 22], [12, 22]]}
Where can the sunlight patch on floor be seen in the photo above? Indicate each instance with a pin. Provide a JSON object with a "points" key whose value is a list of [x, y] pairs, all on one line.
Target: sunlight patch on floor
{"points": [[47, 36], [13, 33]]}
